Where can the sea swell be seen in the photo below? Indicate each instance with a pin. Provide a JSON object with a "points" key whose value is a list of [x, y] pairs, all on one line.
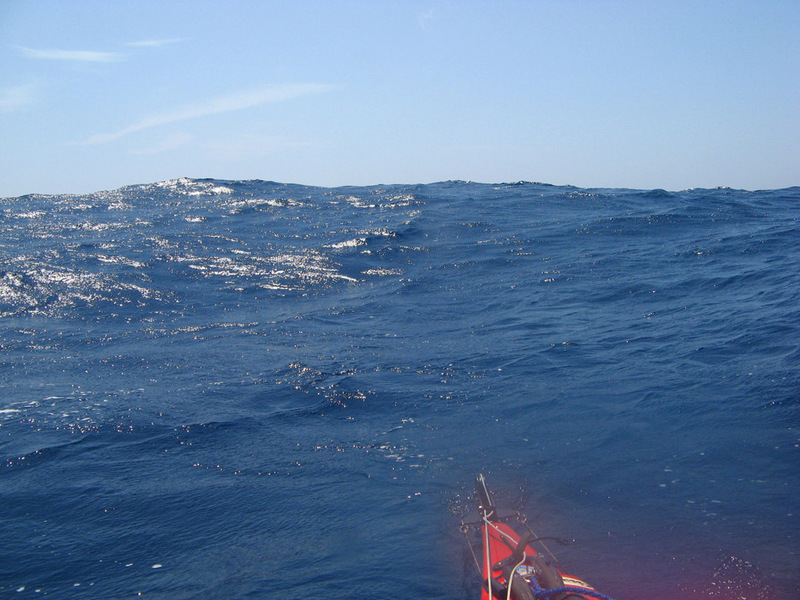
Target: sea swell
{"points": [[255, 385]]}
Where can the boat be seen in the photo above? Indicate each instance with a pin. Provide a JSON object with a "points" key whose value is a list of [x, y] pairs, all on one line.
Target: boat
{"points": [[511, 568]]}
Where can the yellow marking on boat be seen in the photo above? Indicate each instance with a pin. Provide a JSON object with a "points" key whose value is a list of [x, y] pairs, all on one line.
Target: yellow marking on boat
{"points": [[575, 582]]}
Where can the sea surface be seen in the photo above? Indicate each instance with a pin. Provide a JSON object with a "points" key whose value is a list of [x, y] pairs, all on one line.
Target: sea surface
{"points": [[247, 389]]}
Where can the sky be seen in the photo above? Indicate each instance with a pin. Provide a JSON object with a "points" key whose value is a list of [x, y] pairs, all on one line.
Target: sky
{"points": [[95, 95]]}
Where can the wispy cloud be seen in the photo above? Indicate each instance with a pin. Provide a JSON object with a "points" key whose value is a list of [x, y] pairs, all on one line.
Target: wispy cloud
{"points": [[73, 55], [170, 143], [248, 145], [156, 43], [212, 106], [424, 18], [15, 98]]}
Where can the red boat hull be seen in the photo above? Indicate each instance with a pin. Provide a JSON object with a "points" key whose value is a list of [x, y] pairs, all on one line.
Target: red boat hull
{"points": [[499, 542]]}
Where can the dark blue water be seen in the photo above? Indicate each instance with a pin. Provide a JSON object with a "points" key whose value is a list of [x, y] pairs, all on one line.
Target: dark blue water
{"points": [[254, 390]]}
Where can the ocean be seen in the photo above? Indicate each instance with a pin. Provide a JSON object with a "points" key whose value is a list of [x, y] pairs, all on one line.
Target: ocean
{"points": [[249, 389]]}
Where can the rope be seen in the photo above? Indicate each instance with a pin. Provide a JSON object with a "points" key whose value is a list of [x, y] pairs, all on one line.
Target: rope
{"points": [[540, 593]]}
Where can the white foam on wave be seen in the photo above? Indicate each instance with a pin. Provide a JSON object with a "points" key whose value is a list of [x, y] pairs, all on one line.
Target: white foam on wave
{"points": [[383, 272], [120, 260], [119, 205], [217, 189], [41, 289], [381, 232], [361, 241], [259, 202], [348, 244], [400, 201], [357, 202], [280, 272], [30, 214], [190, 187]]}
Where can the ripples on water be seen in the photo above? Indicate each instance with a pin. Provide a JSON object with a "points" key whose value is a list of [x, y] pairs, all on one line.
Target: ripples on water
{"points": [[250, 389]]}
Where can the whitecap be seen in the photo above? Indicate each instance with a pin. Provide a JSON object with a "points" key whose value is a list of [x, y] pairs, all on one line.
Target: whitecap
{"points": [[348, 244], [358, 202], [382, 272], [190, 187]]}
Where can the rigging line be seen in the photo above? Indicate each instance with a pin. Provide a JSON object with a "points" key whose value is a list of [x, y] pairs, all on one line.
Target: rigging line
{"points": [[511, 541], [502, 518], [553, 556], [471, 549]]}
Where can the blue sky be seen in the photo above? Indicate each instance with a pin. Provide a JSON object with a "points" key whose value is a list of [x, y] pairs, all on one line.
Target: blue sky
{"points": [[674, 95]]}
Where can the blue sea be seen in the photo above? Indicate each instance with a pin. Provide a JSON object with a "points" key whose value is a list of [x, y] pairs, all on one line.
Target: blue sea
{"points": [[247, 389]]}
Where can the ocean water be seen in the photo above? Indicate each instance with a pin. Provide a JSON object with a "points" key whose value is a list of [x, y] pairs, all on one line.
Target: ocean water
{"points": [[246, 389]]}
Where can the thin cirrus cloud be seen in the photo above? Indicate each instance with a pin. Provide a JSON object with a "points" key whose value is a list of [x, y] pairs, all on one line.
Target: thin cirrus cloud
{"points": [[71, 55], [171, 143], [156, 43], [213, 106], [16, 98]]}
